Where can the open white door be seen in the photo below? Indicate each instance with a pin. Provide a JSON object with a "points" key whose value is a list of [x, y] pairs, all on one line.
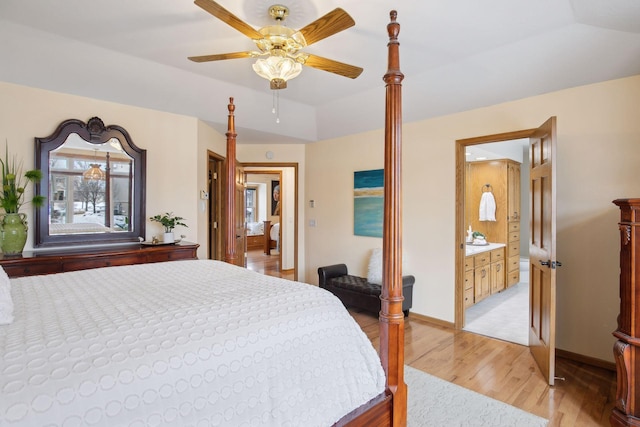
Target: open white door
{"points": [[542, 248]]}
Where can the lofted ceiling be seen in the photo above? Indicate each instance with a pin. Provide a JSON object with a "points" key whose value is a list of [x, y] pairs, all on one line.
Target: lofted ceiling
{"points": [[455, 56]]}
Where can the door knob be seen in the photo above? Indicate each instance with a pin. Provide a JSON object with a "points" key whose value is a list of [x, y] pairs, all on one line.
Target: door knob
{"points": [[553, 264]]}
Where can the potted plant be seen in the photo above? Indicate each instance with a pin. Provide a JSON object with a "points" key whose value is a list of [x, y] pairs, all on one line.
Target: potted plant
{"points": [[12, 196], [169, 221]]}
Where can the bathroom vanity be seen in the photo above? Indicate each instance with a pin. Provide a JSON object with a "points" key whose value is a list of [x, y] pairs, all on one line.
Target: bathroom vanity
{"points": [[485, 272]]}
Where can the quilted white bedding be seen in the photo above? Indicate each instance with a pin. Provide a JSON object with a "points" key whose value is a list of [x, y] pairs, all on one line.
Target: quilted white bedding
{"points": [[181, 343]]}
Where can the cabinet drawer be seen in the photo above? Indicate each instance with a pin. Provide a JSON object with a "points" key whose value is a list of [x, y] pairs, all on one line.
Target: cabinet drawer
{"points": [[176, 255], [513, 277], [468, 280], [514, 236], [468, 297], [513, 263], [468, 263], [482, 259], [514, 249], [497, 255], [97, 262], [31, 269], [514, 226]]}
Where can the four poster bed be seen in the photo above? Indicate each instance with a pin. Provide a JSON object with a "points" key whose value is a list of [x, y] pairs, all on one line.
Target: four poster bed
{"points": [[202, 342], [390, 407]]}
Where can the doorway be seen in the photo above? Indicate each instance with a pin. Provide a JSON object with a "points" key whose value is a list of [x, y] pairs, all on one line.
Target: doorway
{"points": [[262, 215], [286, 176], [509, 146], [502, 311], [541, 193], [215, 247]]}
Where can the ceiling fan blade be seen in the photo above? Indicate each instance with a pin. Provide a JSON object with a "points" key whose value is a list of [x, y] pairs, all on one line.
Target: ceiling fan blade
{"points": [[327, 25], [224, 15], [220, 56], [332, 66]]}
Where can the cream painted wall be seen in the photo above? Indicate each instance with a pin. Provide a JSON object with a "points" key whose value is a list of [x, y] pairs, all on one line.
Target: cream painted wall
{"points": [[283, 153], [597, 155], [174, 143], [598, 135]]}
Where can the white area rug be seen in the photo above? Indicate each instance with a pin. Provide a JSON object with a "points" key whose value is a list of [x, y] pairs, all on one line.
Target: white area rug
{"points": [[435, 402], [503, 315]]}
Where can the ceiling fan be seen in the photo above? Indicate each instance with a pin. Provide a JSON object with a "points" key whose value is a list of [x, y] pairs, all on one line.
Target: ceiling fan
{"points": [[279, 47]]}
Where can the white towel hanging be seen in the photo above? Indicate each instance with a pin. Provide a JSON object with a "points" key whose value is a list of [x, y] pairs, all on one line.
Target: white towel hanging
{"points": [[487, 207]]}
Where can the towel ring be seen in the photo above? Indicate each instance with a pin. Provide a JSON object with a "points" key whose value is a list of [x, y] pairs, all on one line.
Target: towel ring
{"points": [[487, 188]]}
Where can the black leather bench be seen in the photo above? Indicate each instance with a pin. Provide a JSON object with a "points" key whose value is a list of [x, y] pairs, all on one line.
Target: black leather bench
{"points": [[358, 292]]}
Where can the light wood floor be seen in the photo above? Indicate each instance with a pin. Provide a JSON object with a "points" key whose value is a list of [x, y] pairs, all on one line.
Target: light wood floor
{"points": [[498, 369], [505, 372], [266, 264]]}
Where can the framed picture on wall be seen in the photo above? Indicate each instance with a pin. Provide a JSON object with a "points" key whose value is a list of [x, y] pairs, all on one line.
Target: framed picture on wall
{"points": [[368, 202], [275, 198]]}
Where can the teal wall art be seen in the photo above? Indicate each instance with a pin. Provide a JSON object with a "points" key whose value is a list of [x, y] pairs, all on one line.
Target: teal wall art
{"points": [[368, 202]]}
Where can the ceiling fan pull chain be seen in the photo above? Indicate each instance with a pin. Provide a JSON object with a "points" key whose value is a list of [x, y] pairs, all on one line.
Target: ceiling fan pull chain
{"points": [[276, 105], [273, 103]]}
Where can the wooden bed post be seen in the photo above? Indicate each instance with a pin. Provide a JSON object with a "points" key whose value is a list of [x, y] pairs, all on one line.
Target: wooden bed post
{"points": [[230, 207], [391, 315]]}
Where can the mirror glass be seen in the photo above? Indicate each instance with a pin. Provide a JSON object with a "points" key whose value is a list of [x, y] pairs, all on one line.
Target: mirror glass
{"points": [[93, 180], [89, 187]]}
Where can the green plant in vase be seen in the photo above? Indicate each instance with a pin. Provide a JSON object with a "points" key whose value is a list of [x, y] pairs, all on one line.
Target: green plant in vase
{"points": [[169, 221], [13, 225]]}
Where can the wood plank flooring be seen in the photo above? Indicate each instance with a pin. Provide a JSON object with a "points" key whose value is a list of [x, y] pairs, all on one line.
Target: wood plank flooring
{"points": [[505, 371], [499, 369], [267, 264]]}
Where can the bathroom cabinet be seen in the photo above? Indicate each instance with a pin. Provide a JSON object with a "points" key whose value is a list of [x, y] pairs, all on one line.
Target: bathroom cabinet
{"points": [[502, 178], [484, 275]]}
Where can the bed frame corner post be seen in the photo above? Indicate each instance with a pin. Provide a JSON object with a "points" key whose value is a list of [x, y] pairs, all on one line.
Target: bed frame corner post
{"points": [[391, 315], [230, 206]]}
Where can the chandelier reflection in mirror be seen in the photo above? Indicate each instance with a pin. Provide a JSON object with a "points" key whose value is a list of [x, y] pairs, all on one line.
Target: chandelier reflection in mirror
{"points": [[94, 173]]}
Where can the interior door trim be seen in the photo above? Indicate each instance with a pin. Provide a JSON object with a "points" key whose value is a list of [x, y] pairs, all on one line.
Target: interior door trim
{"points": [[461, 145], [271, 166]]}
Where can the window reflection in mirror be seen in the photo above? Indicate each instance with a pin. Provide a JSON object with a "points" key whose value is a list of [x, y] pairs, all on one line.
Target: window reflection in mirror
{"points": [[90, 187], [93, 177]]}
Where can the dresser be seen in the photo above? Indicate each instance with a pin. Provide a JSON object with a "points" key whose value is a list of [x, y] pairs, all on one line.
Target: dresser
{"points": [[626, 350], [31, 263]]}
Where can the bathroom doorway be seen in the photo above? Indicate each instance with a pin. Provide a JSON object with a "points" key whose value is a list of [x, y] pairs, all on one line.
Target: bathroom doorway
{"points": [[502, 314]]}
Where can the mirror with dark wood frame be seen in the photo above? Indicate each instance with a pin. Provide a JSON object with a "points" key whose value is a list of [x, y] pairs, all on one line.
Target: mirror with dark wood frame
{"points": [[93, 178]]}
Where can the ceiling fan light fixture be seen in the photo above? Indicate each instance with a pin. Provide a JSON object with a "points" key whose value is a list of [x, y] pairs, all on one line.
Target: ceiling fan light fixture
{"points": [[278, 70]]}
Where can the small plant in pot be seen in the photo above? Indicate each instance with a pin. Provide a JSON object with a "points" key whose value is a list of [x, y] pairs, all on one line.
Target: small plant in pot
{"points": [[169, 221]]}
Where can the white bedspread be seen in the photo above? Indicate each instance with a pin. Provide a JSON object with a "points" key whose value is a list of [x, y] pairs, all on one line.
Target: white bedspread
{"points": [[180, 343]]}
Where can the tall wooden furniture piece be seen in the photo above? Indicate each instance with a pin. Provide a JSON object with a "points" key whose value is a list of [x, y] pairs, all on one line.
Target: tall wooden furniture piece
{"points": [[626, 350], [502, 178]]}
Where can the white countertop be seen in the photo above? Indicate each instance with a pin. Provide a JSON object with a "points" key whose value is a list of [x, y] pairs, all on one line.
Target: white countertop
{"points": [[473, 250]]}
